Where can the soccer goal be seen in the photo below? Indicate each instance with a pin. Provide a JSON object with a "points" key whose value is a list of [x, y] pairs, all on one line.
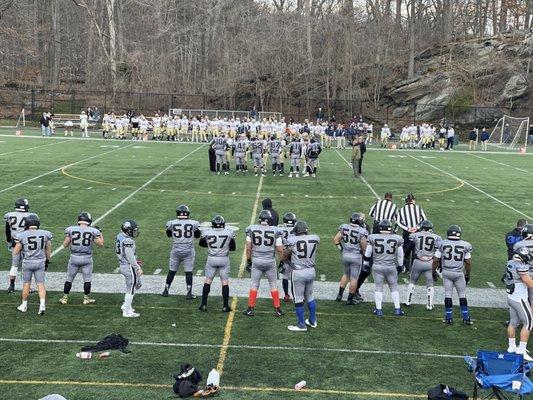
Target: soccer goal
{"points": [[510, 132]]}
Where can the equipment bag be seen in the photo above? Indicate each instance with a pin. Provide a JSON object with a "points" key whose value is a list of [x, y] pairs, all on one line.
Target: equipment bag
{"points": [[443, 392]]}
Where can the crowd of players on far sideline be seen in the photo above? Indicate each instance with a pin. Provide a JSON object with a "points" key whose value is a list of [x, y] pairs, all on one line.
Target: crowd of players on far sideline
{"points": [[290, 250]]}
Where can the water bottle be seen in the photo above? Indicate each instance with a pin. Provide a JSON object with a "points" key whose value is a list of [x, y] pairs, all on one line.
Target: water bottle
{"points": [[85, 355], [213, 378], [300, 385]]}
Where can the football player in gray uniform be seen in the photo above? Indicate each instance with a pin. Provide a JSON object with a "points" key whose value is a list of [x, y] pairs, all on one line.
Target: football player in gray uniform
{"points": [[220, 145], [312, 152], [385, 248], [351, 241], [80, 239], [219, 241], [15, 225], [517, 281], [527, 241], [183, 231], [275, 147], [301, 252], [426, 243], [453, 257], [130, 267], [35, 248], [263, 241], [240, 149], [295, 154], [257, 149], [289, 219]]}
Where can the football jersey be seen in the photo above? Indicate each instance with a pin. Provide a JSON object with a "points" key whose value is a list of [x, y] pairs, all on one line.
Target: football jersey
{"points": [[385, 248], [351, 238], [275, 146], [183, 233], [526, 243], [219, 143], [218, 240], [123, 242], [241, 146], [15, 220], [264, 240], [257, 147], [425, 244], [82, 239], [296, 148], [516, 289], [303, 250], [33, 243], [285, 232], [453, 253]]}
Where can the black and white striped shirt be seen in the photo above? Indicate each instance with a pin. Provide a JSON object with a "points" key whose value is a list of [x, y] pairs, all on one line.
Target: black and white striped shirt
{"points": [[383, 209], [410, 216]]}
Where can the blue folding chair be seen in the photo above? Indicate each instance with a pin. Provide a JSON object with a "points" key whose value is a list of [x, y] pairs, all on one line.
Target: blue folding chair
{"points": [[504, 374]]}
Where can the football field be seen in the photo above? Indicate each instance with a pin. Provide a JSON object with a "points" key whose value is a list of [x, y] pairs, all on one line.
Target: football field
{"points": [[351, 355]]}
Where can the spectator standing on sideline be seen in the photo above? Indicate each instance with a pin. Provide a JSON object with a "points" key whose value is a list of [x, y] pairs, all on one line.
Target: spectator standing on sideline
{"points": [[45, 124], [253, 113], [472, 137], [319, 115], [484, 139], [267, 205], [450, 138], [513, 237], [408, 218], [358, 151]]}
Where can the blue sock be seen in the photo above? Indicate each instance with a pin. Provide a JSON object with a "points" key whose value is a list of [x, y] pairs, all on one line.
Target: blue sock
{"points": [[300, 314], [312, 311], [464, 311], [448, 314]]}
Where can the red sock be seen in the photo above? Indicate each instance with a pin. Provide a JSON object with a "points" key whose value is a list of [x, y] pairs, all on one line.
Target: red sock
{"points": [[275, 298], [252, 297]]}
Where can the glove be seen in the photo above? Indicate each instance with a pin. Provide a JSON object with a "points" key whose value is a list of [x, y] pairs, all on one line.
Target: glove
{"points": [[339, 246], [97, 227], [400, 269], [366, 267], [467, 278], [249, 266], [281, 267], [140, 262], [46, 264], [435, 276]]}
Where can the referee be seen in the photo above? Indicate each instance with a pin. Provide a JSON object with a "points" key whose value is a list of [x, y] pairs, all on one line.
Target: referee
{"points": [[383, 209], [408, 218]]}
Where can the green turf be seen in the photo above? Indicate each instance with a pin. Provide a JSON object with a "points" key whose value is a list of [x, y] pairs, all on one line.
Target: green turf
{"points": [[121, 167]]}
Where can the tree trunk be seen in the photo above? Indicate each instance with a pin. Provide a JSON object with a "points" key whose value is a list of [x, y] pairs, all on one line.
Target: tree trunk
{"points": [[56, 45], [110, 6], [412, 32]]}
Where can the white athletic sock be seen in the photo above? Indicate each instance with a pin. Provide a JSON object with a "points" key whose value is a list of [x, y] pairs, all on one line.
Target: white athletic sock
{"points": [[522, 347], [43, 303], [24, 302], [378, 297], [13, 271], [410, 291], [512, 342], [395, 299], [431, 295], [128, 299]]}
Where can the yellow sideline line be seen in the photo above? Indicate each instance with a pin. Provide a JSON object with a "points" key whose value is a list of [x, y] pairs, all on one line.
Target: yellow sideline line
{"points": [[231, 316], [230, 388]]}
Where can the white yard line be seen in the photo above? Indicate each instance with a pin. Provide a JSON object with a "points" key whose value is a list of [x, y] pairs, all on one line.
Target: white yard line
{"points": [[245, 347], [137, 142], [31, 148], [473, 187], [362, 178], [157, 271], [500, 163], [125, 199], [63, 166]]}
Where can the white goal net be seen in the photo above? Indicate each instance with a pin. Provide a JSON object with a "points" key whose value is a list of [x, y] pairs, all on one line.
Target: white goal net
{"points": [[510, 132]]}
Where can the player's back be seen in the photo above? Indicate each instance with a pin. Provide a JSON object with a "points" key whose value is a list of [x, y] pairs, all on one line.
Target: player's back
{"points": [[33, 243], [183, 233], [285, 232], [122, 242], [257, 147], [516, 288], [218, 241], [453, 254], [82, 239], [303, 251], [15, 220], [264, 239], [351, 238], [241, 146], [385, 248], [426, 244]]}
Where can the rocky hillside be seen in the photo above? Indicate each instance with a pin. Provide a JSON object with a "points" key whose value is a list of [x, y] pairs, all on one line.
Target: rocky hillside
{"points": [[469, 82]]}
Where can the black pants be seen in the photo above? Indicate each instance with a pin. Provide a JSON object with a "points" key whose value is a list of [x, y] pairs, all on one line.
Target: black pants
{"points": [[360, 167], [449, 144], [408, 247], [212, 160]]}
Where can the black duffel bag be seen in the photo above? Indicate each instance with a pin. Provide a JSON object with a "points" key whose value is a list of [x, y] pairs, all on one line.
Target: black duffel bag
{"points": [[443, 392]]}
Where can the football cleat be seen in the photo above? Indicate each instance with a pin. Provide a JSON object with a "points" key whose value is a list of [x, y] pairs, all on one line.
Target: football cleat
{"points": [[64, 299], [256, 174], [407, 304], [287, 298], [226, 309], [398, 312], [278, 312], [351, 302], [226, 173], [297, 328], [526, 355], [297, 175], [203, 307], [429, 307], [358, 297], [190, 296], [290, 175], [512, 349], [468, 322], [447, 321], [378, 312], [41, 311], [312, 325], [165, 292], [88, 300], [11, 288], [22, 308], [338, 298], [130, 314], [250, 312]]}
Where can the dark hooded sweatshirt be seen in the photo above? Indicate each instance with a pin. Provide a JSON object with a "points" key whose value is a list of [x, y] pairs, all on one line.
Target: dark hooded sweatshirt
{"points": [[267, 205]]}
